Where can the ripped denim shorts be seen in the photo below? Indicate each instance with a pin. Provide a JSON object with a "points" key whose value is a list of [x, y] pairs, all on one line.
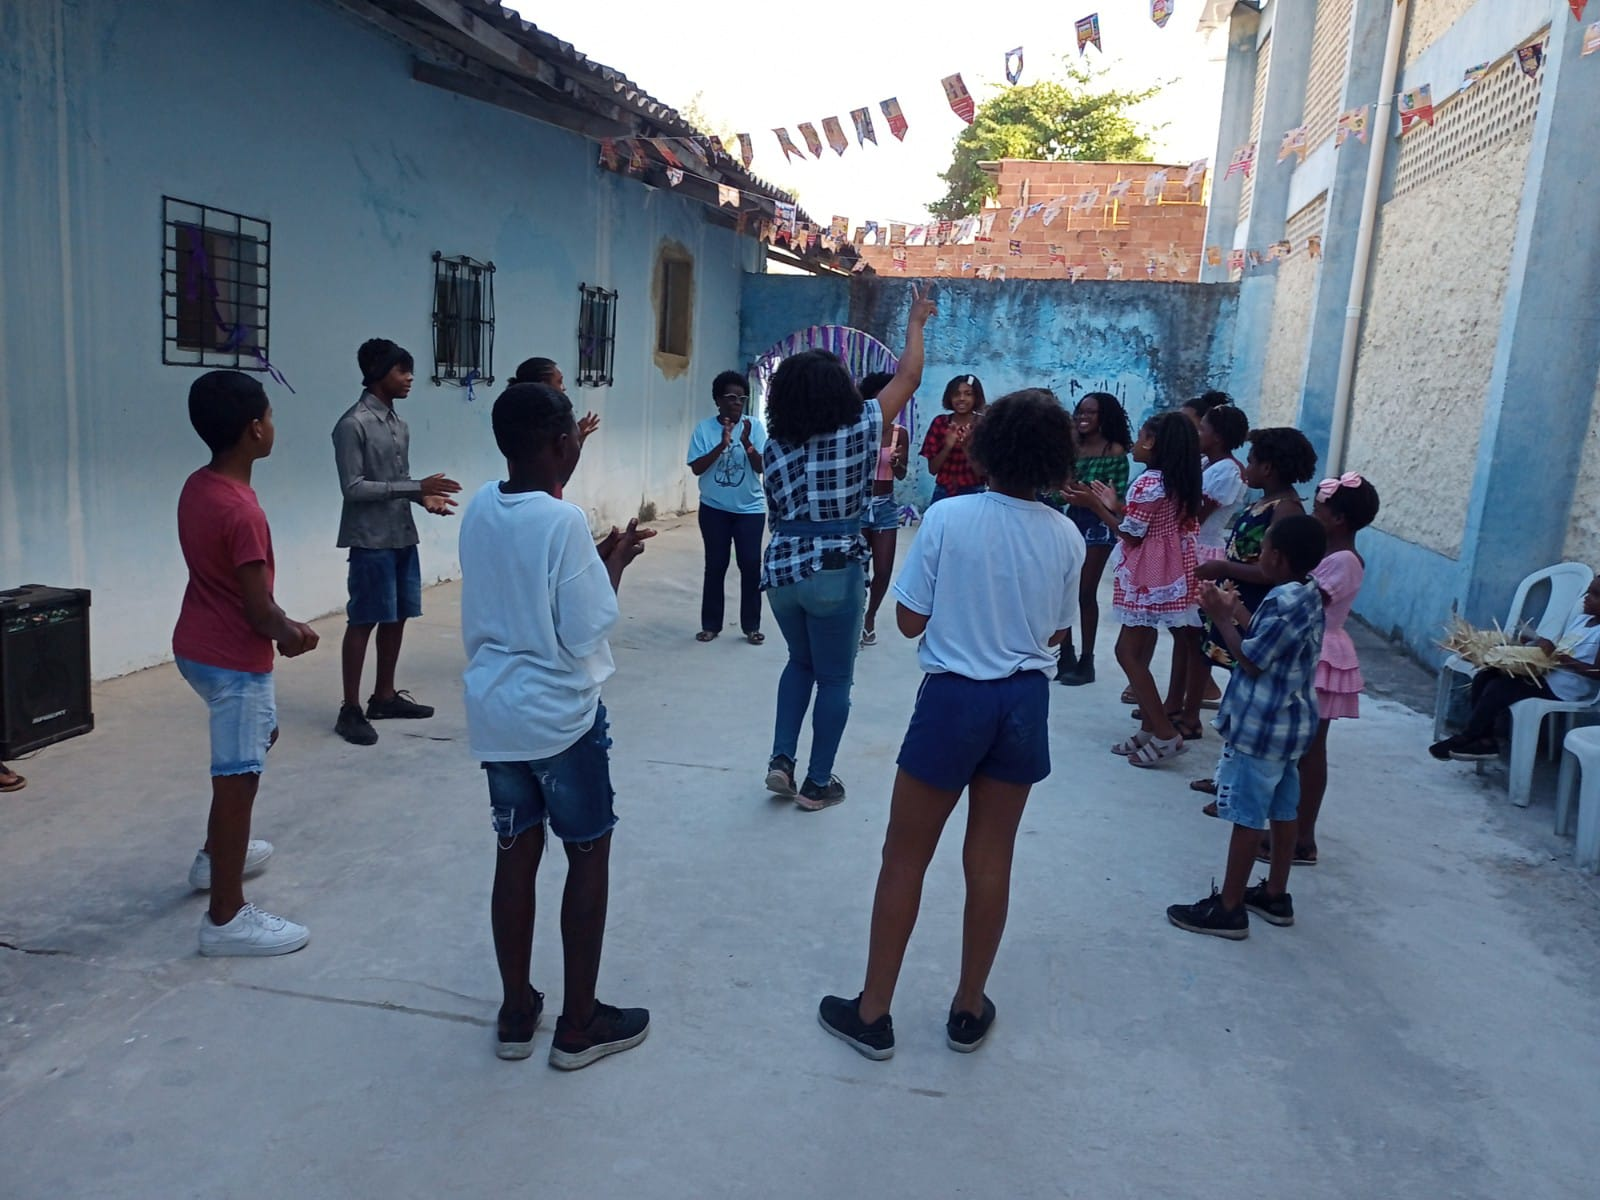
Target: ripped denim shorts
{"points": [[572, 790]]}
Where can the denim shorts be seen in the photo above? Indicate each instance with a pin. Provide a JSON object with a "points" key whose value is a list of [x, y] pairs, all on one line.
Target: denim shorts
{"points": [[1095, 531], [244, 715], [572, 790], [1253, 791], [385, 586], [997, 728], [882, 513], [940, 492]]}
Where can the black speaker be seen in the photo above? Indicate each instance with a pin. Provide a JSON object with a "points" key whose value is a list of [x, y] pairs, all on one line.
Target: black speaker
{"points": [[44, 667]]}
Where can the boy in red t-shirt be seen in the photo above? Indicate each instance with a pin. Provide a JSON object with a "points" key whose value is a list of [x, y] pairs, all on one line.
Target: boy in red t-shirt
{"points": [[223, 644]]}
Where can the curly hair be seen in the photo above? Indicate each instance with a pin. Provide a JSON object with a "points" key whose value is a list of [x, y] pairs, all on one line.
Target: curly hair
{"points": [[222, 404], [1114, 425], [875, 383], [1206, 401], [810, 393], [529, 416], [1230, 425], [736, 379], [1026, 441], [1287, 451], [1357, 505], [1177, 457], [972, 381]]}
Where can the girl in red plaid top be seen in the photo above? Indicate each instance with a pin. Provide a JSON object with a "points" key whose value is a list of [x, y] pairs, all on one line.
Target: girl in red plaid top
{"points": [[945, 447]]}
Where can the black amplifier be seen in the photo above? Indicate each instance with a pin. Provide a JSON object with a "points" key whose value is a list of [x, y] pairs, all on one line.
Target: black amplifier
{"points": [[44, 667]]}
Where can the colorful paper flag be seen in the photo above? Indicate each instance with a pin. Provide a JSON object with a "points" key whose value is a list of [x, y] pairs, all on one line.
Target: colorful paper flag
{"points": [[1119, 190], [944, 231], [812, 238], [862, 119], [1179, 258], [897, 234], [1530, 58], [1053, 210], [1352, 124], [1282, 250], [1254, 258], [1114, 269], [1296, 142], [1016, 248], [960, 99], [747, 150], [917, 236], [1086, 200], [1035, 209], [1591, 39], [1214, 256], [1236, 260], [896, 119], [986, 271], [1161, 11], [1089, 32], [608, 153], [1150, 265], [1475, 75], [790, 150], [861, 265], [1243, 162], [986, 224], [835, 134], [1014, 65], [1018, 215], [1058, 256], [674, 176], [839, 228], [1155, 185], [727, 196], [637, 163], [786, 216], [1416, 108], [813, 142], [1314, 247], [1196, 172], [664, 148], [1577, 8]]}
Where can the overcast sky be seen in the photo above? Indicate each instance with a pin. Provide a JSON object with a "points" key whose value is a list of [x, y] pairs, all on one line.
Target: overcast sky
{"points": [[764, 65]]}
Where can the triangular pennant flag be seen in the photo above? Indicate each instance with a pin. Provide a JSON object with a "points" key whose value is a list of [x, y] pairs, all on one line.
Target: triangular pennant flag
{"points": [[786, 216], [835, 132], [960, 99], [897, 234], [917, 236], [862, 118], [1057, 257], [813, 142], [727, 195], [637, 163], [1352, 124], [1053, 210], [790, 150], [1236, 260], [1119, 190], [1014, 65], [1018, 216], [664, 148], [1034, 210], [941, 264], [1295, 143], [1314, 247], [839, 228], [1086, 200], [986, 224], [861, 265], [716, 143], [1416, 108], [1114, 269], [1279, 250], [1155, 185], [1016, 248], [1475, 75], [1214, 256], [1530, 58], [674, 176], [1089, 32], [608, 153], [870, 230], [1196, 172], [1161, 11], [747, 150], [896, 119], [1254, 257], [1577, 8], [1591, 39], [1244, 162]]}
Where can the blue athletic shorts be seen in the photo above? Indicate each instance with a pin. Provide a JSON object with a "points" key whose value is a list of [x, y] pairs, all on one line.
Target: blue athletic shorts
{"points": [[244, 715], [572, 790], [1253, 791], [997, 728], [385, 586]]}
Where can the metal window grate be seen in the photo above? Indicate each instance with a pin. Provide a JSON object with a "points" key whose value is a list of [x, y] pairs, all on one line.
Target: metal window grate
{"points": [[215, 287], [463, 320], [597, 335]]}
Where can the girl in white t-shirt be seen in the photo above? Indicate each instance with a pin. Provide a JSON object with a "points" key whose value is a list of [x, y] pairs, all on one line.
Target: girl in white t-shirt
{"points": [[990, 586]]}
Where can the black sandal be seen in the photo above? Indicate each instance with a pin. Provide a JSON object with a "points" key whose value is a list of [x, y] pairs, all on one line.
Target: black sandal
{"points": [[706, 635]]}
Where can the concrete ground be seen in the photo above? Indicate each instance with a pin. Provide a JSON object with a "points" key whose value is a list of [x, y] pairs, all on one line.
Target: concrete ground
{"points": [[1428, 1029]]}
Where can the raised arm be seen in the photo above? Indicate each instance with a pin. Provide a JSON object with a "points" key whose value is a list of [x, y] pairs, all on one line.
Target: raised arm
{"points": [[898, 391]]}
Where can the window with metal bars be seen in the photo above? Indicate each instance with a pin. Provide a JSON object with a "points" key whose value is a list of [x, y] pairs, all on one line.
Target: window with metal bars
{"points": [[463, 320], [216, 272], [597, 335]]}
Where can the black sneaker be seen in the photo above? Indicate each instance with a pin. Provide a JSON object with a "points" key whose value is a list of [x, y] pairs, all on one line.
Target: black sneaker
{"points": [[1208, 916], [964, 1032], [1274, 910], [610, 1031], [398, 707], [780, 775], [1441, 750], [1484, 749], [355, 728], [514, 1038], [814, 797], [1078, 674], [842, 1018]]}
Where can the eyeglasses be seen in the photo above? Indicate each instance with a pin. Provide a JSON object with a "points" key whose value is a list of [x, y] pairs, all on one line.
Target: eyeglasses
{"points": [[731, 397]]}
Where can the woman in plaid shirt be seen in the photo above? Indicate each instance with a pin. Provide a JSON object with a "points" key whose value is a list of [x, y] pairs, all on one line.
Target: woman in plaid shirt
{"points": [[820, 458]]}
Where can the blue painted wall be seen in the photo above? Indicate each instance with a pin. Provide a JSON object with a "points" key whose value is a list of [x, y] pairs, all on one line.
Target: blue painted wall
{"points": [[774, 306], [297, 113]]}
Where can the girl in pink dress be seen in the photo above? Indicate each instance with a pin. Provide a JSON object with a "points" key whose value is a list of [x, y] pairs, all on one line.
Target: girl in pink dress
{"points": [[1345, 506], [1153, 583]]}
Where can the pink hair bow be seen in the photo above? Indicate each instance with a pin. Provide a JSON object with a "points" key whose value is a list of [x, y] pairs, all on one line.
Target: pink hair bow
{"points": [[1328, 487]]}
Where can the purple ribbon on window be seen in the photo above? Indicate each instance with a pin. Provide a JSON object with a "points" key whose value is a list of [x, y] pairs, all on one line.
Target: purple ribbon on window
{"points": [[200, 270]]}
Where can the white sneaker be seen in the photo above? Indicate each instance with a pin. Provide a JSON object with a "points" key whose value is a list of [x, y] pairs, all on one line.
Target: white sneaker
{"points": [[251, 933], [255, 857]]}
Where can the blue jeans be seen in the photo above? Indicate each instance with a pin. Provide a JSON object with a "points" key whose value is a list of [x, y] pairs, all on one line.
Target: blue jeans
{"points": [[821, 621]]}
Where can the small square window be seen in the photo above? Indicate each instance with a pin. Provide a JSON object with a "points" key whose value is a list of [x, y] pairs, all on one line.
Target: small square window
{"points": [[597, 335], [463, 320], [677, 307], [215, 287]]}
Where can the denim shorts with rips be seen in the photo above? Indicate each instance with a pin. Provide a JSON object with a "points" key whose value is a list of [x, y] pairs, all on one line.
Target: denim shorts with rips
{"points": [[572, 790]]}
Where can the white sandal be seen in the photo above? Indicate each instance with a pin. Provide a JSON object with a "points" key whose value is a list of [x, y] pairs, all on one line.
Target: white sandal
{"points": [[1133, 745], [1157, 751]]}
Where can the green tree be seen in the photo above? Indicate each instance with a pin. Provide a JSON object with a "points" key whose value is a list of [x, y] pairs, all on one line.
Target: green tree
{"points": [[1073, 119]]}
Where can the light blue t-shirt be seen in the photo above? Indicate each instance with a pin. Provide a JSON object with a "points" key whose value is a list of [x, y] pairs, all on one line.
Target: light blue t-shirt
{"points": [[730, 483], [996, 577]]}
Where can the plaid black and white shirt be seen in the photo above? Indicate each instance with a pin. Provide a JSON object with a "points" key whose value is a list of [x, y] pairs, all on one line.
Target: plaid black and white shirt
{"points": [[1273, 715], [827, 479]]}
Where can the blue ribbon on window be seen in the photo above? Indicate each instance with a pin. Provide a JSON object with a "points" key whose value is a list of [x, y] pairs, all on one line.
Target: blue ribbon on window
{"points": [[467, 381], [200, 271]]}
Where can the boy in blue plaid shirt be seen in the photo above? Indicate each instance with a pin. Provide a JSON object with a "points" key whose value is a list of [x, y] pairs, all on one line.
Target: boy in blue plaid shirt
{"points": [[1267, 721]]}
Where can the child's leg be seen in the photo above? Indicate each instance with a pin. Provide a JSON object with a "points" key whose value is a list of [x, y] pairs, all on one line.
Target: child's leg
{"points": [[1177, 675], [352, 658], [1242, 846], [227, 839], [1493, 694], [1135, 646], [994, 810], [390, 635], [583, 925], [883, 547], [1313, 783], [511, 910], [1094, 566], [917, 815], [716, 531], [1190, 643]]}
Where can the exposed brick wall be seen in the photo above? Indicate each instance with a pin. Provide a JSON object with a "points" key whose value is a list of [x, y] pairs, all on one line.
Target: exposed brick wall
{"points": [[1133, 231]]}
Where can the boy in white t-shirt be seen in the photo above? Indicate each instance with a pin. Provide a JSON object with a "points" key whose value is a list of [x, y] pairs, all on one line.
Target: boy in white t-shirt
{"points": [[990, 586], [538, 598]]}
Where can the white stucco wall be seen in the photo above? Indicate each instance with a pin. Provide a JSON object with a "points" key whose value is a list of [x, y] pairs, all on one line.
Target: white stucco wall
{"points": [[1427, 348], [1286, 351], [1583, 527]]}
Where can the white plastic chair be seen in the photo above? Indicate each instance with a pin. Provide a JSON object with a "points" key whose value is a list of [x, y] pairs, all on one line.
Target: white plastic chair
{"points": [[1568, 582], [1581, 752]]}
